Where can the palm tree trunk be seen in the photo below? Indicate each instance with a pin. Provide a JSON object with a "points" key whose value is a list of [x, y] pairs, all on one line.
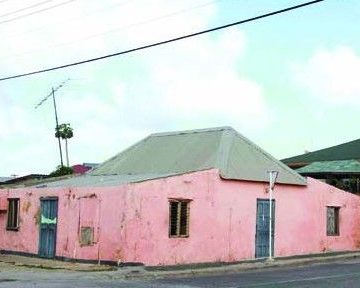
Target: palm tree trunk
{"points": [[67, 153]]}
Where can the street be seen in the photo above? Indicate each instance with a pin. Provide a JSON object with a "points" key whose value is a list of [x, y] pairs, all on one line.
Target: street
{"points": [[336, 274]]}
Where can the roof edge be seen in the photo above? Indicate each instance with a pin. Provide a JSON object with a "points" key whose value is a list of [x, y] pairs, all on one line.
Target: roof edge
{"points": [[259, 181]]}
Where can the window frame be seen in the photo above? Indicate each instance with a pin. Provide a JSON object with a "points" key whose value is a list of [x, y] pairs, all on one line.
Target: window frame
{"points": [[180, 225], [336, 220], [13, 214]]}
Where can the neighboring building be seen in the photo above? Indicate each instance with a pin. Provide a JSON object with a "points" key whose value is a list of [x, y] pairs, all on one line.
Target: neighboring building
{"points": [[4, 179], [23, 179], [338, 165], [83, 168], [179, 198]]}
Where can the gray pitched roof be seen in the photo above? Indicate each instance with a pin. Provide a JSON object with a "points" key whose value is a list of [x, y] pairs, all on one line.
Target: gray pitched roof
{"points": [[165, 154], [195, 150]]}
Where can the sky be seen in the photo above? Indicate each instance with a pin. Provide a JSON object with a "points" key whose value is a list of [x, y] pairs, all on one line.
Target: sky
{"points": [[290, 82]]}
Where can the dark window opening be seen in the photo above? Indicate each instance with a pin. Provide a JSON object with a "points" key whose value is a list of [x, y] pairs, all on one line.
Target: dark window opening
{"points": [[13, 214], [179, 218], [332, 223]]}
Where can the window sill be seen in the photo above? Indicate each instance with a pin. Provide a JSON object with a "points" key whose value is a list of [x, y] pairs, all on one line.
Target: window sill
{"points": [[173, 236], [12, 229]]}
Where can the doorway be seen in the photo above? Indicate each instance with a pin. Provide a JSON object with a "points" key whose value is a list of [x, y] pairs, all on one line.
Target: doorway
{"points": [[48, 227], [262, 228]]}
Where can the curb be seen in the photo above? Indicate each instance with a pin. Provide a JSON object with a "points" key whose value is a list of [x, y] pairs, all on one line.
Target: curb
{"points": [[154, 272], [236, 268]]}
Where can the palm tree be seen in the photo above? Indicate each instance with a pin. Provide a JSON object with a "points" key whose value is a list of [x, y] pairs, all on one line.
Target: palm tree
{"points": [[65, 132]]}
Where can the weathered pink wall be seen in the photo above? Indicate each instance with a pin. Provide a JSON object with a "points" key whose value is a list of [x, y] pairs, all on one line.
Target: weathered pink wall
{"points": [[131, 221]]}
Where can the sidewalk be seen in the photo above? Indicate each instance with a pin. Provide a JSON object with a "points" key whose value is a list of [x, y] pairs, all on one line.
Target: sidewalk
{"points": [[178, 270], [33, 262]]}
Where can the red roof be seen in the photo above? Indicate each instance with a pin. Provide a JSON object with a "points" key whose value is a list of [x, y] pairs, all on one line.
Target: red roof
{"points": [[80, 169]]}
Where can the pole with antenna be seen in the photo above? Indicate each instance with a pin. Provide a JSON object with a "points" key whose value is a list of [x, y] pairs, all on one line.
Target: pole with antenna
{"points": [[52, 94], [57, 125]]}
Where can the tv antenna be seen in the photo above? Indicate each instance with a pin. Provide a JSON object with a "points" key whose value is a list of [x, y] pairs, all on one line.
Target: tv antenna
{"points": [[52, 94]]}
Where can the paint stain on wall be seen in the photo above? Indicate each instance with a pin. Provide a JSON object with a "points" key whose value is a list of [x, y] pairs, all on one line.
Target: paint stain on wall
{"points": [[356, 232], [37, 216], [66, 245], [26, 206], [118, 255], [323, 246]]}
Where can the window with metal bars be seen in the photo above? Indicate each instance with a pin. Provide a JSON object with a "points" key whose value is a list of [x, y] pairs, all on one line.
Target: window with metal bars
{"points": [[332, 221], [179, 211], [13, 214]]}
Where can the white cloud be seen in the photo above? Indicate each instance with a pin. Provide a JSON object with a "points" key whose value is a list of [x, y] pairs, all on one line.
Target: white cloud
{"points": [[331, 75], [195, 83], [203, 79]]}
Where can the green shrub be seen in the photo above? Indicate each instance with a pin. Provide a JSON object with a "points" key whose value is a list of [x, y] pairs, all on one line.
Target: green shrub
{"points": [[61, 170]]}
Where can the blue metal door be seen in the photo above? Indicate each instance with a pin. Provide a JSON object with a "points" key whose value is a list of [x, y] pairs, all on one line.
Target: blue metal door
{"points": [[48, 224], [262, 228]]}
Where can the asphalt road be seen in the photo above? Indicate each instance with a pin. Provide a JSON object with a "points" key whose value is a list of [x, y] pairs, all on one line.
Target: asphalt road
{"points": [[338, 274]]}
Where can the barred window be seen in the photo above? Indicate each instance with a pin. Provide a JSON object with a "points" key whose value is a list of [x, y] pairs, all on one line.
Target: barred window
{"points": [[332, 227], [179, 211], [13, 214]]}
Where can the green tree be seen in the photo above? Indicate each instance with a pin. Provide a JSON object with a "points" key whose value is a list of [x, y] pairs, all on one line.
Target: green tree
{"points": [[65, 132], [60, 171]]}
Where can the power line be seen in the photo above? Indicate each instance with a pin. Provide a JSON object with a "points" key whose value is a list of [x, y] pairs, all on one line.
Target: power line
{"points": [[161, 17], [25, 8], [68, 20], [165, 41], [36, 12]]}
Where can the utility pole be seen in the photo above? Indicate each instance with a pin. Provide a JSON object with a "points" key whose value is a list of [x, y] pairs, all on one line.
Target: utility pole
{"points": [[52, 94], [57, 125]]}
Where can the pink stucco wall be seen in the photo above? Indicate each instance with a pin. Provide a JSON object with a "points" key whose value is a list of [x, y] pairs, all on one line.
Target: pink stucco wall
{"points": [[131, 221]]}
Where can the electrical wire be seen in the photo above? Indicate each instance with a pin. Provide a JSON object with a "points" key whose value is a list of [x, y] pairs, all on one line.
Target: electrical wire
{"points": [[25, 8], [165, 41], [161, 17], [69, 20], [36, 12]]}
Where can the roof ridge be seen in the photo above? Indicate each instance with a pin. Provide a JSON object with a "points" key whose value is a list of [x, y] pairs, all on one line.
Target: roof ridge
{"points": [[225, 144], [191, 131]]}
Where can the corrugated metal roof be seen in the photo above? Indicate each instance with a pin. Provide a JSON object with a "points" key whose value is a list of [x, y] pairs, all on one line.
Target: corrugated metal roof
{"points": [[164, 154], [341, 166], [345, 151]]}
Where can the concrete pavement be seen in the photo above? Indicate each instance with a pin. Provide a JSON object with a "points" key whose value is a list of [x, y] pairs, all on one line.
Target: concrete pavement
{"points": [[34, 262], [341, 273], [141, 272]]}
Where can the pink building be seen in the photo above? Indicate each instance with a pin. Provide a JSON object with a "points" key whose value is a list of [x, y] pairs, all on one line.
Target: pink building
{"points": [[178, 198]]}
